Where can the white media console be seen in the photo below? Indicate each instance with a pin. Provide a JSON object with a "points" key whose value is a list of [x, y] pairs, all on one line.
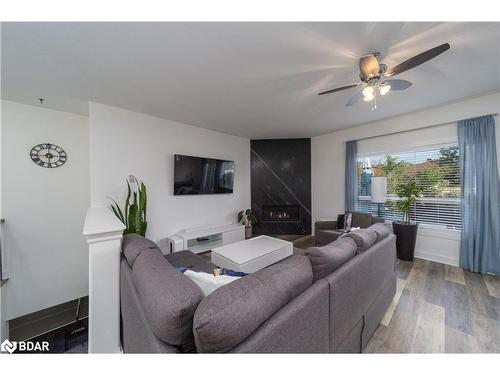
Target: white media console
{"points": [[206, 238]]}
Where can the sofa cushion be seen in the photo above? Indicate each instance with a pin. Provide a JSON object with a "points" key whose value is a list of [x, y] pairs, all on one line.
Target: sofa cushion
{"points": [[169, 298], [381, 230], [364, 238], [133, 245], [232, 313], [327, 259]]}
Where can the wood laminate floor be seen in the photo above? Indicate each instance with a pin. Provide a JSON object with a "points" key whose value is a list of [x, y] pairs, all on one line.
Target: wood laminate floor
{"points": [[440, 309]]}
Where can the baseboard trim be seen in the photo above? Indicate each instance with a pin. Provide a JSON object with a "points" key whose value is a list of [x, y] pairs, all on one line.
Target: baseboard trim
{"points": [[437, 258]]}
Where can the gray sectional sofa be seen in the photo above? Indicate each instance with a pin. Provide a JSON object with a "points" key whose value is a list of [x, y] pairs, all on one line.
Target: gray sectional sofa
{"points": [[294, 306]]}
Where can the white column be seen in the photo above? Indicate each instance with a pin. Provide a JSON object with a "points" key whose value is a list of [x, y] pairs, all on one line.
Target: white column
{"points": [[103, 231]]}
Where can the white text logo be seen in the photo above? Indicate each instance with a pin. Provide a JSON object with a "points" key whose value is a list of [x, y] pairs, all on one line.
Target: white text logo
{"points": [[8, 346], [24, 346]]}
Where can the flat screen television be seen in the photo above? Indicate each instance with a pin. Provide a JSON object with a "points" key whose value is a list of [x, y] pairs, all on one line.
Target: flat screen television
{"points": [[196, 175]]}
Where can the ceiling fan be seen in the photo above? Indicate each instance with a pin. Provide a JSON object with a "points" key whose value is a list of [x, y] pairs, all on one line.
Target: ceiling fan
{"points": [[374, 75]]}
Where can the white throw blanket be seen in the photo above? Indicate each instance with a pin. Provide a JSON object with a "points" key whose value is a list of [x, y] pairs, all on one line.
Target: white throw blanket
{"points": [[208, 282]]}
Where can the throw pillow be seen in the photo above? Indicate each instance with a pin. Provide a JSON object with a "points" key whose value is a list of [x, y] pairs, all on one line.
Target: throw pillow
{"points": [[326, 259], [340, 221]]}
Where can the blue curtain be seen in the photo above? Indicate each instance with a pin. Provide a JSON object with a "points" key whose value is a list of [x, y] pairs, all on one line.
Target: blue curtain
{"points": [[351, 175], [480, 239]]}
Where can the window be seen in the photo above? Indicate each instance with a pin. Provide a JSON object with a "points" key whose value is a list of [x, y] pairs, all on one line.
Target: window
{"points": [[436, 171]]}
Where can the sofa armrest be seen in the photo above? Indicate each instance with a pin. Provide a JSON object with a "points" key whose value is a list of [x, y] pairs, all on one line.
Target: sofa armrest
{"points": [[326, 224]]}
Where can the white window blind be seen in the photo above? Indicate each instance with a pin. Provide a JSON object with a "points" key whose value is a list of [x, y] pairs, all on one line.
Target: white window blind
{"points": [[436, 172]]}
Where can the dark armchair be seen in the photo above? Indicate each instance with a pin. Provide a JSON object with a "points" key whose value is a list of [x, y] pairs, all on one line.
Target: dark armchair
{"points": [[327, 231]]}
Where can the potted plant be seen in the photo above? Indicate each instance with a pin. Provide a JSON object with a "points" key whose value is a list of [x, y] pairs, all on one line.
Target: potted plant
{"points": [[248, 218], [133, 215], [405, 230]]}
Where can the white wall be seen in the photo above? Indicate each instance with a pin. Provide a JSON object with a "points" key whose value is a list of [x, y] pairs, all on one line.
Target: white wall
{"points": [[44, 209], [126, 143], [328, 160], [4, 326]]}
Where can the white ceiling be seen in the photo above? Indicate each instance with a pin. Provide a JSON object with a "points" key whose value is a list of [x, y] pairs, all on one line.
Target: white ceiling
{"points": [[256, 80]]}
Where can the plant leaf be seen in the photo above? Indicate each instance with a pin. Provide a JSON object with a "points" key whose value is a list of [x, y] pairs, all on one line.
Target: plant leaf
{"points": [[137, 218], [116, 209], [132, 217], [117, 212], [127, 203], [142, 201]]}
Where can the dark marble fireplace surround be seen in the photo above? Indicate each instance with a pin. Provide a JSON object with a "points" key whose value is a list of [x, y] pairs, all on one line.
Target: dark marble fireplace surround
{"points": [[281, 185]]}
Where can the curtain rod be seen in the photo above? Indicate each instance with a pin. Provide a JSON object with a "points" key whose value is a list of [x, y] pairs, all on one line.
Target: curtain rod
{"points": [[410, 130]]}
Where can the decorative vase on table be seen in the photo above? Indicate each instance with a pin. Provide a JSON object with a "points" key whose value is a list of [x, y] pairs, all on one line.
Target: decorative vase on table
{"points": [[248, 218], [248, 232]]}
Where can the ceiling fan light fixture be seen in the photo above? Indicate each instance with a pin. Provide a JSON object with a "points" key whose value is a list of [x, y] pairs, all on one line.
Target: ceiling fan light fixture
{"points": [[384, 89], [368, 91], [369, 98], [369, 65]]}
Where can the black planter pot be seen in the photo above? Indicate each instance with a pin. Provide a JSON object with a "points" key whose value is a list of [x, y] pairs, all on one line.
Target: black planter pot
{"points": [[406, 237]]}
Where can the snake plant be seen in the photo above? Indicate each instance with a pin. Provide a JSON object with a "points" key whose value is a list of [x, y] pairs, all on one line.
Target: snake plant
{"points": [[133, 215]]}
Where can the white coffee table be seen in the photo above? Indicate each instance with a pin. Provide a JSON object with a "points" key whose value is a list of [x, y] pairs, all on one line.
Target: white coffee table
{"points": [[251, 255]]}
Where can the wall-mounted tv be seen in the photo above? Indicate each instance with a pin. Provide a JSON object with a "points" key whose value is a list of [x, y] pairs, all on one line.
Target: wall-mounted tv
{"points": [[196, 175]]}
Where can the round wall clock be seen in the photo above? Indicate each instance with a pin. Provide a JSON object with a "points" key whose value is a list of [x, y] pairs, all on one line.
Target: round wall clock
{"points": [[48, 155]]}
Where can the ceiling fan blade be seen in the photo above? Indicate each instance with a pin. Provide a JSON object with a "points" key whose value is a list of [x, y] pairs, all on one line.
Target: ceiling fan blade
{"points": [[398, 84], [339, 89], [354, 99], [418, 60]]}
